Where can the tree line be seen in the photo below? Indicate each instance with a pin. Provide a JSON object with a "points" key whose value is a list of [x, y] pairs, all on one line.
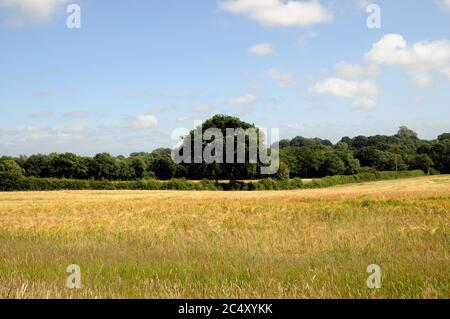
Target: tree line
{"points": [[299, 158], [314, 157]]}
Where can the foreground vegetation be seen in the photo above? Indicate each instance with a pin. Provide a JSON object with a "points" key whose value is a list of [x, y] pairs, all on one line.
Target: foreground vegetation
{"points": [[288, 244]]}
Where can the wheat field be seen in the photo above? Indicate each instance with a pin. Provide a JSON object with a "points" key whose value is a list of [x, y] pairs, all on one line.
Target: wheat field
{"points": [[282, 244]]}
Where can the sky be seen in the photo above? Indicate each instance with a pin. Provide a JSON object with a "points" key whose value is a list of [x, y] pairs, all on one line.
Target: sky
{"points": [[135, 73]]}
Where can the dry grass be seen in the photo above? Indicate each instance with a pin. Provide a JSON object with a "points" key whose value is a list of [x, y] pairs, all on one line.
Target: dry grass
{"points": [[173, 244]]}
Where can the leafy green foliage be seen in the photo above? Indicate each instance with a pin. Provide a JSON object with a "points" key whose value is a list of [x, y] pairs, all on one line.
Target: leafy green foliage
{"points": [[20, 183], [10, 170], [283, 172], [218, 171]]}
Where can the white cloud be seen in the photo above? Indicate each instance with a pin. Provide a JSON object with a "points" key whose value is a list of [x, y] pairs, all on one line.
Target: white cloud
{"points": [[280, 13], [40, 134], [74, 129], [344, 88], [261, 49], [355, 71], [365, 102], [421, 77], [25, 11], [419, 59], [283, 79], [242, 100], [141, 122], [363, 93]]}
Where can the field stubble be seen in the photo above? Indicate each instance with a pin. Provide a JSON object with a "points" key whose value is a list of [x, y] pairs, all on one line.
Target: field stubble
{"points": [[175, 244]]}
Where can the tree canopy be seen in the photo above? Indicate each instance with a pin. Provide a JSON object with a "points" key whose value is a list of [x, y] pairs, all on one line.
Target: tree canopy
{"points": [[230, 134]]}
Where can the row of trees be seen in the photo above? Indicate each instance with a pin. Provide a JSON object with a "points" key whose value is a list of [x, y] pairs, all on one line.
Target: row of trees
{"points": [[403, 151], [299, 157], [101, 166]]}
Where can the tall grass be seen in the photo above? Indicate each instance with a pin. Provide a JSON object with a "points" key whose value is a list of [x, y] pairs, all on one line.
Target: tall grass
{"points": [[173, 244]]}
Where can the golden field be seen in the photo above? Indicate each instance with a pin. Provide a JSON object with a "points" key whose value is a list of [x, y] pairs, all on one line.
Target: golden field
{"points": [[176, 244]]}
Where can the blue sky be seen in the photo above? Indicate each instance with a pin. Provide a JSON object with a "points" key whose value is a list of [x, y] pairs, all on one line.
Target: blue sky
{"points": [[137, 70]]}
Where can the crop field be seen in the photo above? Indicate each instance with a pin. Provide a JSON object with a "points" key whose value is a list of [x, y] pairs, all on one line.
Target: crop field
{"points": [[180, 244]]}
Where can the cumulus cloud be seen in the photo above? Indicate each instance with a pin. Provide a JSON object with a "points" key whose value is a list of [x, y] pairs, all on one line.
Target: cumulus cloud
{"points": [[420, 59], [280, 13], [283, 78], [36, 134], [355, 71], [31, 11], [344, 88], [261, 49], [32, 139], [363, 93], [141, 122], [242, 100], [365, 102]]}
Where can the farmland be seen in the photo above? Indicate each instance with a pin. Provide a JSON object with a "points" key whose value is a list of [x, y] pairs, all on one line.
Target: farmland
{"points": [[178, 244]]}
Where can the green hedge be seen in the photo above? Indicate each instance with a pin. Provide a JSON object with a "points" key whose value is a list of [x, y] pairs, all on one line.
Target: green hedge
{"points": [[361, 178], [10, 183]]}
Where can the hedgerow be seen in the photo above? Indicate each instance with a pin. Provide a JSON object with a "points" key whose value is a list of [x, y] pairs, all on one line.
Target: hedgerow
{"points": [[14, 183]]}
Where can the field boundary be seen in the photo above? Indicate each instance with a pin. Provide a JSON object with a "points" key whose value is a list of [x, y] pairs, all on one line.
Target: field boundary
{"points": [[50, 184]]}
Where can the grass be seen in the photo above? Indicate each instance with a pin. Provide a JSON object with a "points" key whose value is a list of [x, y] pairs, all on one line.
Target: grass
{"points": [[174, 244]]}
